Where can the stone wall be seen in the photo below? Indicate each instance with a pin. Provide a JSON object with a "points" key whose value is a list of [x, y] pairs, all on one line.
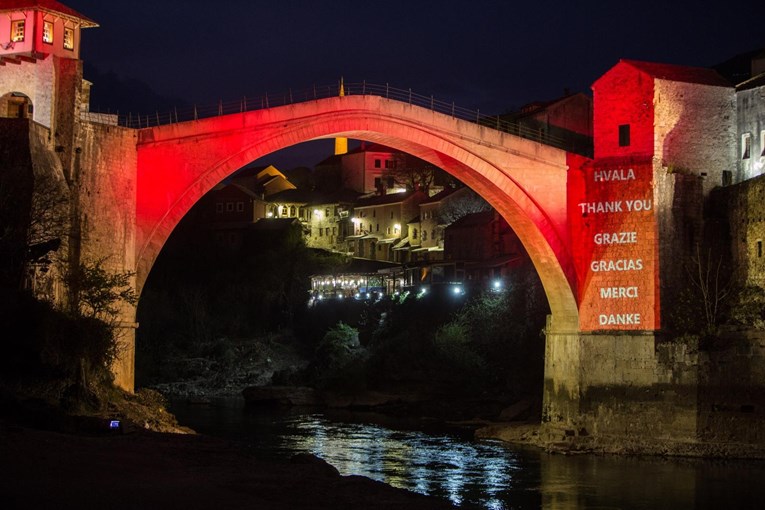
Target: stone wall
{"points": [[36, 81], [105, 170], [751, 121], [695, 129], [742, 210], [634, 393]]}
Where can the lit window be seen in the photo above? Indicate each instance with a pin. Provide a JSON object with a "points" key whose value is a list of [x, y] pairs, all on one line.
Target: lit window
{"points": [[624, 135], [68, 38], [746, 145], [48, 32], [17, 30]]}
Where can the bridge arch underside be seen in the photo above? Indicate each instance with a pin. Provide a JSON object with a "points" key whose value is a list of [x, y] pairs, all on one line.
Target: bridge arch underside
{"points": [[533, 225]]}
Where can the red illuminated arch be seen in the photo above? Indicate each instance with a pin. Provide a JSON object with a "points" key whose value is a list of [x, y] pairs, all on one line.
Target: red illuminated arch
{"points": [[525, 181]]}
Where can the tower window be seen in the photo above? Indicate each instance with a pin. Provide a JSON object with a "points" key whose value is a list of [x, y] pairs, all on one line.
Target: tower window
{"points": [[624, 135], [17, 30], [47, 32], [68, 39], [746, 145]]}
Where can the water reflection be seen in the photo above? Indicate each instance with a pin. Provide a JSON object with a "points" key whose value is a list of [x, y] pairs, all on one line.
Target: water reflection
{"points": [[463, 472], [486, 473]]}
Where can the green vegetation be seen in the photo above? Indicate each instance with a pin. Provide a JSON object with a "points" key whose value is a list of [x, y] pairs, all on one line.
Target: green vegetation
{"points": [[67, 352]]}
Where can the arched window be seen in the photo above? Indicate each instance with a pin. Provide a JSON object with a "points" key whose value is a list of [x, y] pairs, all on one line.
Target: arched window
{"points": [[414, 233]]}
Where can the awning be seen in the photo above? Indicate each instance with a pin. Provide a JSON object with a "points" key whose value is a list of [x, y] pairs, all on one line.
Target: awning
{"points": [[370, 236], [402, 245], [389, 240]]}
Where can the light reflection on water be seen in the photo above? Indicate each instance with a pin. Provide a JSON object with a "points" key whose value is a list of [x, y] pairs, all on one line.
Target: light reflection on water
{"points": [[409, 460], [487, 474]]}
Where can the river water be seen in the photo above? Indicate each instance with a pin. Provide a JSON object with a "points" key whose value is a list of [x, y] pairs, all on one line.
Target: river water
{"points": [[482, 473]]}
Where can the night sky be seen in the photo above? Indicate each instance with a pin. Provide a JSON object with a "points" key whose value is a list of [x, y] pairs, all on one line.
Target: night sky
{"points": [[489, 55]]}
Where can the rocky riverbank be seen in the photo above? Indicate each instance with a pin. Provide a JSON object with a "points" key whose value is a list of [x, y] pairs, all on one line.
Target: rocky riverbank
{"points": [[141, 469]]}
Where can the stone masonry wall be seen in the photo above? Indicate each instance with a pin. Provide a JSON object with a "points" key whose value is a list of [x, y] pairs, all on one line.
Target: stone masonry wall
{"points": [[695, 129], [35, 81], [751, 121], [105, 172], [743, 208]]}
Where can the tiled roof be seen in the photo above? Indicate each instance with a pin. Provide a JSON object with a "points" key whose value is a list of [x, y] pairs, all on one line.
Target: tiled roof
{"points": [[752, 83], [473, 220], [393, 198], [46, 5], [686, 74], [440, 196]]}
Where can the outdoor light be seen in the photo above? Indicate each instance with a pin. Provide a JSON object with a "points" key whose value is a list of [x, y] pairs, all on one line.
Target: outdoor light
{"points": [[457, 290], [317, 213], [497, 284], [269, 215], [397, 227]]}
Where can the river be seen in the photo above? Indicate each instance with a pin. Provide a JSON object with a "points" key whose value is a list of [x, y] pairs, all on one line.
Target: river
{"points": [[482, 473]]}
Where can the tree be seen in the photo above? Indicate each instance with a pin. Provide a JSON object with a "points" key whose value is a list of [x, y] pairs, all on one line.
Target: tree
{"points": [[412, 176], [97, 293], [711, 282]]}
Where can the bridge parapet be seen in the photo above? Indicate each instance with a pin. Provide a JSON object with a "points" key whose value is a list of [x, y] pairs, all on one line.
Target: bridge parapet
{"points": [[267, 101]]}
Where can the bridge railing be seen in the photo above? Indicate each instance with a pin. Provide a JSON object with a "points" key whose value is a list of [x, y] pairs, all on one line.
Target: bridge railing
{"points": [[141, 121]]}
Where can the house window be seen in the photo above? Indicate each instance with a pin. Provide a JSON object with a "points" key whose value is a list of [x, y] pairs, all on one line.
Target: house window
{"points": [[388, 231], [284, 210], [334, 231], [293, 211], [374, 213], [229, 206], [424, 235], [219, 207], [378, 227], [321, 232], [759, 249], [624, 135], [391, 182], [433, 235], [414, 233], [377, 163], [326, 212], [746, 145], [391, 215], [68, 38], [48, 32], [388, 163], [240, 207], [17, 30]]}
